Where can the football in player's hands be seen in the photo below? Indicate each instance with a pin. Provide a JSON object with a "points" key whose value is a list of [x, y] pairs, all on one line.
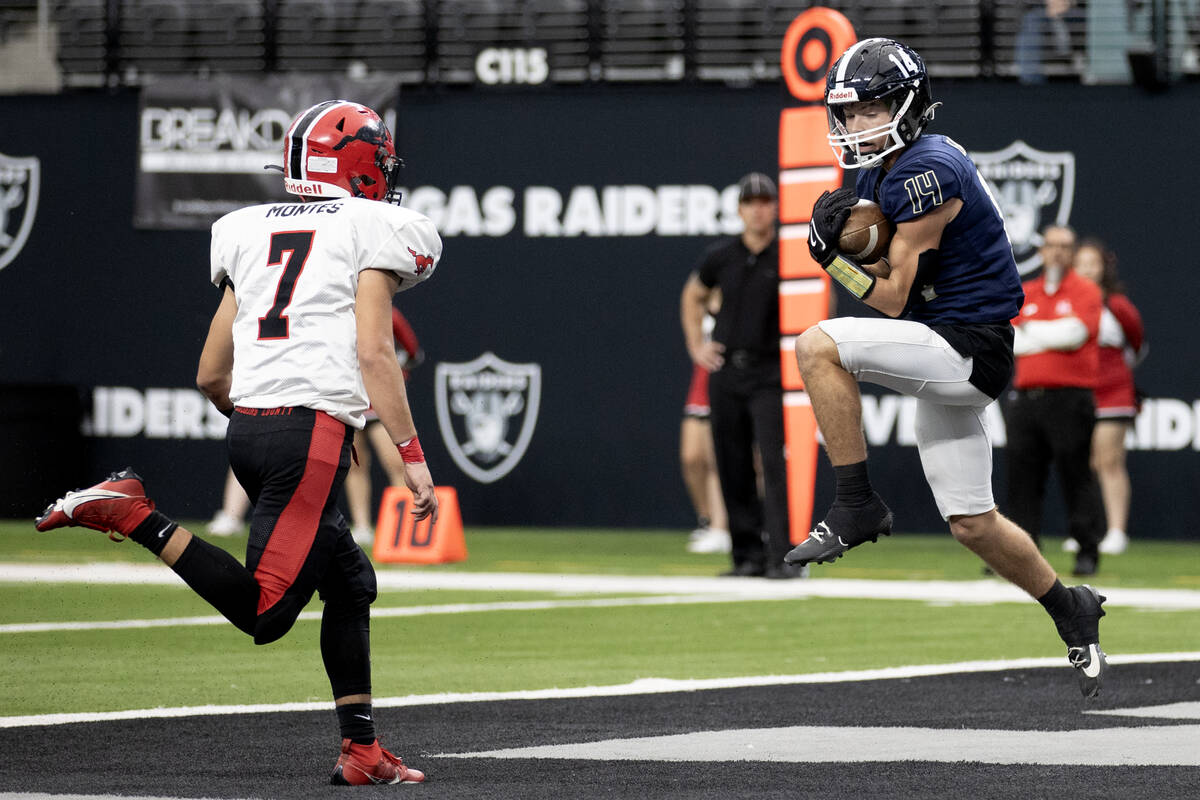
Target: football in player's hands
{"points": [[829, 214], [867, 233]]}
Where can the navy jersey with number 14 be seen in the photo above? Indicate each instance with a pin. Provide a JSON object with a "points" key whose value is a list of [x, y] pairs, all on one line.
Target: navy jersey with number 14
{"points": [[976, 279]]}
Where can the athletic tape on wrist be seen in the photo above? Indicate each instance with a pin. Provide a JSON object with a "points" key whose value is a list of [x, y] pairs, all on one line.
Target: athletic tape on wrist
{"points": [[845, 271], [410, 451]]}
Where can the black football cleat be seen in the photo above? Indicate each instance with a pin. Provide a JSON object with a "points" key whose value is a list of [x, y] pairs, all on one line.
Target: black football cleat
{"points": [[1081, 633], [843, 528]]}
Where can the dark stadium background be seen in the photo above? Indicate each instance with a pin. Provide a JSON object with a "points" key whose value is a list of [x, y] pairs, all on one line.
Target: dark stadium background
{"points": [[92, 301]]}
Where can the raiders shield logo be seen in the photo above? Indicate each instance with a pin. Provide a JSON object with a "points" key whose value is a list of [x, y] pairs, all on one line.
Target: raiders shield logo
{"points": [[487, 410], [1034, 189], [19, 180]]}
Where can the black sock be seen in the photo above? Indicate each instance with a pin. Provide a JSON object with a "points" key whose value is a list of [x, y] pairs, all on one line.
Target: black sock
{"points": [[853, 485], [356, 722], [1059, 601], [154, 532]]}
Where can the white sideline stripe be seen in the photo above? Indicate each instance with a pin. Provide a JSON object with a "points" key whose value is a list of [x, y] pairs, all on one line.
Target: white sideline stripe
{"points": [[42, 796], [637, 687], [378, 613], [990, 590], [1152, 746], [1186, 710]]}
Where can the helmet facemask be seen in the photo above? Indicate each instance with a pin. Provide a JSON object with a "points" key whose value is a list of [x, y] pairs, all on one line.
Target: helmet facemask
{"points": [[883, 70], [848, 145]]}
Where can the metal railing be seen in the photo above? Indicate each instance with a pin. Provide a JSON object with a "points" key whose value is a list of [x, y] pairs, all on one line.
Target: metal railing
{"points": [[463, 42]]}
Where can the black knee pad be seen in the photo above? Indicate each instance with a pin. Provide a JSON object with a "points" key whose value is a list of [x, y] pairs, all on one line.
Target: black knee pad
{"points": [[350, 582]]}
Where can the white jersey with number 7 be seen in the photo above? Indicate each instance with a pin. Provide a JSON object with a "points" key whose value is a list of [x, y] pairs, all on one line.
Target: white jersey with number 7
{"points": [[294, 270]]}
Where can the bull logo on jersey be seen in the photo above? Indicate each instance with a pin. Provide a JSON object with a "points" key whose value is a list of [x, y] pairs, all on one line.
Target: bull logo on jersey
{"points": [[19, 181], [487, 410], [423, 262], [1034, 189]]}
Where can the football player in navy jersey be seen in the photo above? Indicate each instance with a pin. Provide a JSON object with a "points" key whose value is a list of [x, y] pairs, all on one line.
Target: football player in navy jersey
{"points": [[950, 287]]}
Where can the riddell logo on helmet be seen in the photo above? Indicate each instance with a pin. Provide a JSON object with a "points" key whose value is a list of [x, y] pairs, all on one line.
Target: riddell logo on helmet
{"points": [[300, 187], [845, 95], [313, 188]]}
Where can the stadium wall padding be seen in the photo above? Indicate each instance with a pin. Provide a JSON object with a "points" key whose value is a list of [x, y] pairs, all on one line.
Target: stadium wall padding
{"points": [[584, 291]]}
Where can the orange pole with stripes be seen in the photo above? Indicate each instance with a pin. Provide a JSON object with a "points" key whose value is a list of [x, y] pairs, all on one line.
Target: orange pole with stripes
{"points": [[807, 167]]}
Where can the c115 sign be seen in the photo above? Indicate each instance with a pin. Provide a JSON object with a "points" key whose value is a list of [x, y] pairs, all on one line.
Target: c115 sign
{"points": [[501, 65]]}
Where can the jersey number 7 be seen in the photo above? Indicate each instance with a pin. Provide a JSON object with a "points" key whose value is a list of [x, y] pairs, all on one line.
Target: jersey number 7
{"points": [[289, 249]]}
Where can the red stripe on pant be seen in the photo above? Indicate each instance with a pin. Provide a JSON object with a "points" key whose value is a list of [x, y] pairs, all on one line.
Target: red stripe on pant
{"points": [[294, 531]]}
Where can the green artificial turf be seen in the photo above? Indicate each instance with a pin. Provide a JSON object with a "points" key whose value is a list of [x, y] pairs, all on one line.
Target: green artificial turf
{"points": [[904, 556], [500, 650]]}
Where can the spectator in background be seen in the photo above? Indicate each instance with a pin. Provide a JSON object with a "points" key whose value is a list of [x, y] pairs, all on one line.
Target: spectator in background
{"points": [[1044, 35], [230, 519], [699, 461], [745, 388], [1122, 345], [375, 436], [1050, 412]]}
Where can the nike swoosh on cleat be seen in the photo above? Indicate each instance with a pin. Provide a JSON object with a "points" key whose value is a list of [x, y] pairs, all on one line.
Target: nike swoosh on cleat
{"points": [[74, 500], [843, 542], [1092, 668]]}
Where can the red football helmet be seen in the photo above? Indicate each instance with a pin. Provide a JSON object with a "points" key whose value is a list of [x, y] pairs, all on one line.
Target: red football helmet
{"points": [[340, 149]]}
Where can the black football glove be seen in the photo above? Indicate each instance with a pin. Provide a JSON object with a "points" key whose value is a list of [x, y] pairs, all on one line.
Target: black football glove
{"points": [[829, 215]]}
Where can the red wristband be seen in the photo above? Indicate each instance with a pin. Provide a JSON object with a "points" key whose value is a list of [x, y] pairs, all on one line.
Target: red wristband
{"points": [[410, 451]]}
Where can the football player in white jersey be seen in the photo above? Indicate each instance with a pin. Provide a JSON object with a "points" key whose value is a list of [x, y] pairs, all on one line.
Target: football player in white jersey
{"points": [[299, 347]]}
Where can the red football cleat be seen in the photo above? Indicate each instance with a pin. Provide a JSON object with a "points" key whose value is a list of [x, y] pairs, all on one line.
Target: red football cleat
{"points": [[118, 505], [365, 764]]}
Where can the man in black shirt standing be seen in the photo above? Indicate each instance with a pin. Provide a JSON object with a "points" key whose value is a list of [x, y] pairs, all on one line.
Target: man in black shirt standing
{"points": [[745, 391]]}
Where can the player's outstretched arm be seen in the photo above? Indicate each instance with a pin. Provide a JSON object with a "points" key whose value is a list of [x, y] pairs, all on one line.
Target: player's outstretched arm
{"points": [[384, 381], [215, 372]]}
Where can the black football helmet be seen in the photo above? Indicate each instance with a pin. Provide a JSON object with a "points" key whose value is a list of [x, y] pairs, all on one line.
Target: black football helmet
{"points": [[877, 69]]}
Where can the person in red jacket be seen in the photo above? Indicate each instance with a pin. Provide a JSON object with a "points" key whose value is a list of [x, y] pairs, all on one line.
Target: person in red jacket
{"points": [[1050, 412], [1122, 346]]}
